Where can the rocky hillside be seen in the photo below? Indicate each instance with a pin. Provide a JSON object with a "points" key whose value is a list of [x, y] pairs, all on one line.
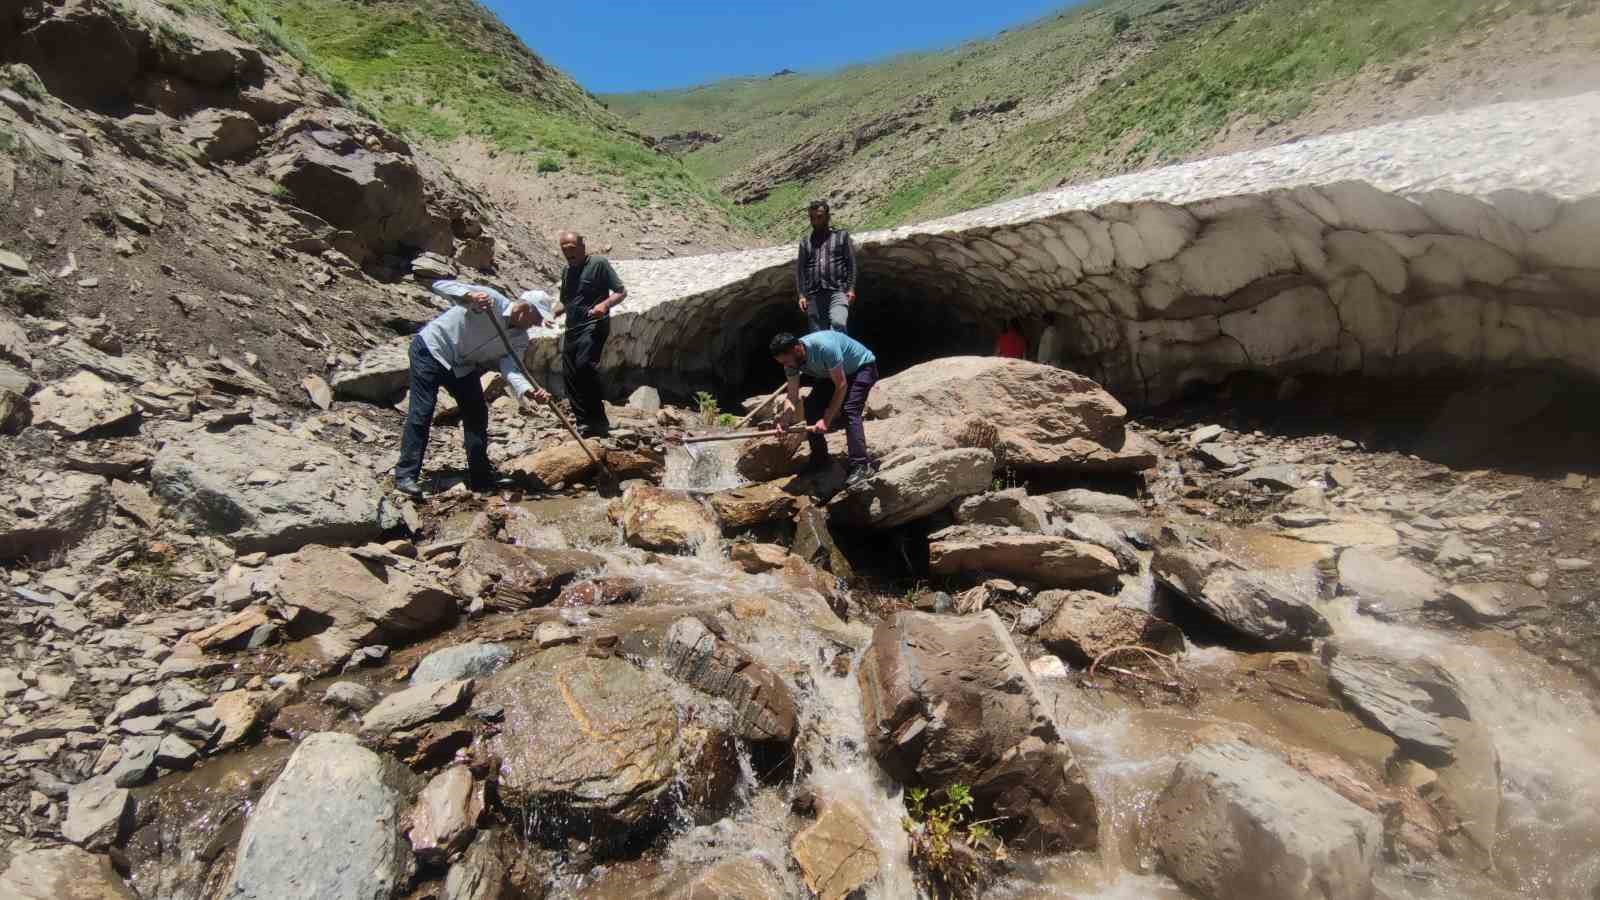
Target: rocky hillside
{"points": [[1101, 89]]}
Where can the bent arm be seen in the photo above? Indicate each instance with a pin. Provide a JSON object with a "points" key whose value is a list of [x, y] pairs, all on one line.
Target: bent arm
{"points": [[793, 385]]}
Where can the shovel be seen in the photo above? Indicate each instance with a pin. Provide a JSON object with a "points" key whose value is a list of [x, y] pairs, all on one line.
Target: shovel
{"points": [[738, 435], [608, 478]]}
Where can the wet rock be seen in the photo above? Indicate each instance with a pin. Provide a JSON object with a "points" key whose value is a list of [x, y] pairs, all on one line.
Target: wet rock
{"points": [[1493, 602], [1245, 601], [642, 463], [485, 873], [735, 879], [207, 475], [655, 760], [240, 713], [1086, 624], [1081, 501], [416, 705], [471, 660], [814, 543], [67, 507], [445, 818], [1008, 508], [553, 634], [758, 558], [950, 700], [741, 509], [599, 592], [654, 518], [519, 577], [1042, 559], [1237, 822], [762, 461], [350, 695], [1386, 583], [62, 873], [1405, 699], [690, 652], [564, 463], [1040, 419], [837, 853], [83, 404], [98, 814], [345, 601], [333, 815], [914, 489]]}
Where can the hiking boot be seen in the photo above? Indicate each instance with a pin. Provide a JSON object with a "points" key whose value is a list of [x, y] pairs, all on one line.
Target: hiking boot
{"points": [[859, 474], [409, 487]]}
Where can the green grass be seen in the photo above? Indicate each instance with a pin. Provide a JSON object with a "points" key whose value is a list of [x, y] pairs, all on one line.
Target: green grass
{"points": [[1208, 63], [445, 70]]}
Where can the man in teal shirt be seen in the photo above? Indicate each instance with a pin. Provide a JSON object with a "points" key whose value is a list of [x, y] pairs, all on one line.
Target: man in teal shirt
{"points": [[846, 371]]}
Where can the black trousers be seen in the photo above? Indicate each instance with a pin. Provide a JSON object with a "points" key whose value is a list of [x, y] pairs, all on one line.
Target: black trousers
{"points": [[427, 377], [580, 370]]}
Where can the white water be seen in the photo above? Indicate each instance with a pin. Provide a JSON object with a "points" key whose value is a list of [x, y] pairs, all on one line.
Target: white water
{"points": [[702, 467]]}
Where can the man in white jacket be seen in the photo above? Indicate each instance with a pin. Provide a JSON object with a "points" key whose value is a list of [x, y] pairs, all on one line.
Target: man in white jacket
{"points": [[450, 352]]}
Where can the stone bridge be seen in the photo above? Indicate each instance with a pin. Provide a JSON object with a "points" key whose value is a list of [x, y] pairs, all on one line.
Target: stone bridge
{"points": [[1463, 243]]}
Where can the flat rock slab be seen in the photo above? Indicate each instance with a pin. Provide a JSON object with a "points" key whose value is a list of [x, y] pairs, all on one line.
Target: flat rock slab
{"points": [[62, 873], [328, 827], [379, 376], [83, 404], [475, 659], [1049, 561], [837, 853], [914, 490], [68, 506], [416, 705], [1079, 500], [325, 497], [1385, 583], [348, 601], [1494, 602], [1237, 823]]}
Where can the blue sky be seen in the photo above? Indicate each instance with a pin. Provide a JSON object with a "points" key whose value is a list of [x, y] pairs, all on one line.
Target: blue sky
{"points": [[632, 45]]}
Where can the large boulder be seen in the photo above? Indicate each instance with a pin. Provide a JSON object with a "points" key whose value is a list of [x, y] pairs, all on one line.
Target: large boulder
{"points": [[62, 873], [513, 577], [342, 601], [669, 521], [82, 405], [1038, 419], [263, 488], [743, 508], [1011, 508], [52, 512], [1237, 823], [1041, 559], [601, 750], [381, 375], [564, 463], [328, 827], [378, 195], [949, 700], [1086, 625], [1249, 603], [914, 489], [218, 135]]}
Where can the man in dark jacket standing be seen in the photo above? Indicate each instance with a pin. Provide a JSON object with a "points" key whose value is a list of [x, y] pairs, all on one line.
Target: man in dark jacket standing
{"points": [[590, 289], [825, 272]]}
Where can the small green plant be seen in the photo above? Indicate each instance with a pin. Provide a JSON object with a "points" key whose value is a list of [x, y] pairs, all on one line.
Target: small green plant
{"points": [[280, 192], [548, 164], [708, 408], [727, 420], [1121, 23], [952, 856]]}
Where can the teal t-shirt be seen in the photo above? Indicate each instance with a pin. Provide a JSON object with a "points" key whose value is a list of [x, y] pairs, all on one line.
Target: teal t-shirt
{"points": [[827, 349]]}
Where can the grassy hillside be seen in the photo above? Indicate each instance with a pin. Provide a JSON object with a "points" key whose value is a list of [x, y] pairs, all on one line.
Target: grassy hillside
{"points": [[1098, 88], [449, 68]]}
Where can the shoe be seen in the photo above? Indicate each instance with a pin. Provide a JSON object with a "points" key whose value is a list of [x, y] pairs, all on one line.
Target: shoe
{"points": [[859, 474], [486, 485], [409, 487]]}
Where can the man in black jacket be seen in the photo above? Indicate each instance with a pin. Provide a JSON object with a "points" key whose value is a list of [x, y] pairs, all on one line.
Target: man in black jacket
{"points": [[825, 272], [590, 289]]}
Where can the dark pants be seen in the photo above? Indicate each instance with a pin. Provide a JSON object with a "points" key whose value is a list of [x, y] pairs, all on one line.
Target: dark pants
{"points": [[855, 406], [427, 377], [828, 310], [580, 367]]}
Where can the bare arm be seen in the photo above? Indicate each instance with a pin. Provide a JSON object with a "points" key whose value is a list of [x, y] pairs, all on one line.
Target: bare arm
{"points": [[794, 398]]}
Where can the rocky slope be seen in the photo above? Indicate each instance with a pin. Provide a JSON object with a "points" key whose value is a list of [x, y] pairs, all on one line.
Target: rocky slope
{"points": [[1102, 90], [1238, 664]]}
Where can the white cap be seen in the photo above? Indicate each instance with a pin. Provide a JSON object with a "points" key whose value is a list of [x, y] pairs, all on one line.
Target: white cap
{"points": [[540, 301]]}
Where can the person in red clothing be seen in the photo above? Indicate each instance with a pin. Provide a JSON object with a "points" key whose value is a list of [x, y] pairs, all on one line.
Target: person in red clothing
{"points": [[1011, 343]]}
